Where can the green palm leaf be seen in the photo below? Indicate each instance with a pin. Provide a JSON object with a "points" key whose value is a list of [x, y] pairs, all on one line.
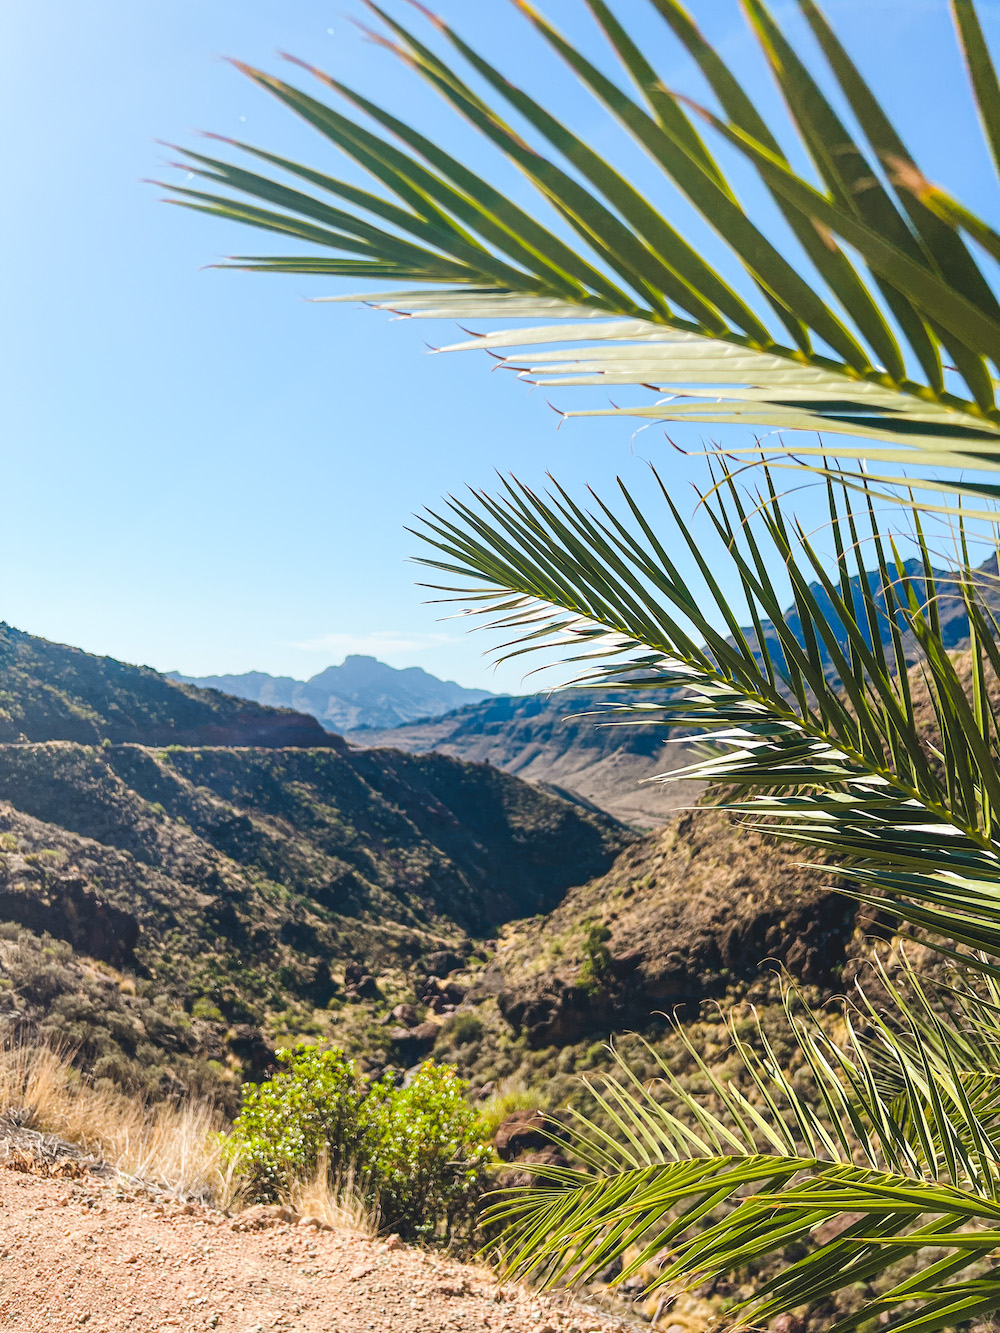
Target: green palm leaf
{"points": [[852, 335], [806, 721], [701, 1191]]}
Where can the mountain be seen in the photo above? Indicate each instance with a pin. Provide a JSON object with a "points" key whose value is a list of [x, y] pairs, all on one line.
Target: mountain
{"points": [[556, 741], [360, 693], [171, 908], [51, 692]]}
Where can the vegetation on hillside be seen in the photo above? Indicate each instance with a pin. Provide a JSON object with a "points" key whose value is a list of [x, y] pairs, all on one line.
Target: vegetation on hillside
{"points": [[868, 315], [170, 913], [417, 1153], [50, 692]]}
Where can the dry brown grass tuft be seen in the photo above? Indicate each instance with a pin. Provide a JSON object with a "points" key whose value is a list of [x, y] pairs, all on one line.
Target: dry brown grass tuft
{"points": [[339, 1202], [177, 1148]]}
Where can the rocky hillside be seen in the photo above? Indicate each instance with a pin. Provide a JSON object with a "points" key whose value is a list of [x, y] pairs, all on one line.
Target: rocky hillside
{"points": [[691, 923], [208, 900], [51, 692], [360, 693], [171, 905], [556, 740]]}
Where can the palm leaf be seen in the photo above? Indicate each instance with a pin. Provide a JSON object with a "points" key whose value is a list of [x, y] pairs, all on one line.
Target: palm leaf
{"points": [[807, 721], [697, 1193], [850, 335]]}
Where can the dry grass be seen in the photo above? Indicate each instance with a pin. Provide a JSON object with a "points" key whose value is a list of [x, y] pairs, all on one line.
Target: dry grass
{"points": [[512, 1094], [175, 1147], [339, 1202]]}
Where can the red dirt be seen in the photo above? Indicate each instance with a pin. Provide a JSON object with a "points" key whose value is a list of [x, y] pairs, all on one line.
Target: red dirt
{"points": [[84, 1254]]}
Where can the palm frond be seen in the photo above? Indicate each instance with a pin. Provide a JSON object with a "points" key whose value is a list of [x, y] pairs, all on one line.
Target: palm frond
{"points": [[879, 1129], [871, 317], [807, 719]]}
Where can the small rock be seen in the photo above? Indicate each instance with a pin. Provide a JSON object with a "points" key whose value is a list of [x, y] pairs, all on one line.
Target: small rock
{"points": [[790, 1323], [394, 1242], [316, 1223], [262, 1216], [359, 1271], [453, 1288]]}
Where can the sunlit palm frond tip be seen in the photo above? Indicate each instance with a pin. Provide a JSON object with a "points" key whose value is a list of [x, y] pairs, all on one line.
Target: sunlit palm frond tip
{"points": [[869, 316]]}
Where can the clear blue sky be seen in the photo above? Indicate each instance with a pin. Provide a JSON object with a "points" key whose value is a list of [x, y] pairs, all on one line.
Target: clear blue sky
{"points": [[203, 471]]}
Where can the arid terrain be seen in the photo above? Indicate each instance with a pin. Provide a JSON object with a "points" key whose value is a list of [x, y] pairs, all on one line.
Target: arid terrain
{"points": [[87, 1253]]}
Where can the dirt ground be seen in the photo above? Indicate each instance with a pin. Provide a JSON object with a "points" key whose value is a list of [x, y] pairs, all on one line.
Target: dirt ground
{"points": [[85, 1253]]}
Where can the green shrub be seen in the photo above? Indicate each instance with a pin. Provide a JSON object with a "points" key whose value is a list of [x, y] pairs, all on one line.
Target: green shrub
{"points": [[426, 1159], [310, 1108], [596, 957], [420, 1151], [465, 1029]]}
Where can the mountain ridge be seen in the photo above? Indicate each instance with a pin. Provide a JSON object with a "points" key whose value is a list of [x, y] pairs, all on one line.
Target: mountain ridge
{"points": [[360, 694], [55, 692]]}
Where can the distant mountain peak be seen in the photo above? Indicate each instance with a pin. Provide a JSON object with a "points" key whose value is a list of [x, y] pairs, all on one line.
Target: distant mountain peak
{"points": [[361, 694]]}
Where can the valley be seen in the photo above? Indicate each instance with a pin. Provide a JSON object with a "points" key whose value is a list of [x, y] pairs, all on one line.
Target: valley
{"points": [[173, 908]]}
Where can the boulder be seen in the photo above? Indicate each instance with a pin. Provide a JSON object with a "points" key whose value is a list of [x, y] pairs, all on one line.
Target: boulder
{"points": [[366, 987], [443, 961], [624, 964], [406, 1015], [413, 1043], [525, 1131], [530, 1167], [251, 1048], [436, 991]]}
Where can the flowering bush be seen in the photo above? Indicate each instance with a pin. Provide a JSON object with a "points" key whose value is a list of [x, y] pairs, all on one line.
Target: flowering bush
{"points": [[426, 1153], [420, 1152], [310, 1108]]}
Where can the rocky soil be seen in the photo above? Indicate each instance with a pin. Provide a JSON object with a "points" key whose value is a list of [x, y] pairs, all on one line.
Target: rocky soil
{"points": [[81, 1252]]}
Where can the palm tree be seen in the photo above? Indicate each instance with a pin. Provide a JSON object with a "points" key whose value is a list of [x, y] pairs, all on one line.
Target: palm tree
{"points": [[850, 728], [870, 318]]}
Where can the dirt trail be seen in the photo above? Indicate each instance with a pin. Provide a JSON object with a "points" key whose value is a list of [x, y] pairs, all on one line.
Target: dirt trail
{"points": [[84, 1254]]}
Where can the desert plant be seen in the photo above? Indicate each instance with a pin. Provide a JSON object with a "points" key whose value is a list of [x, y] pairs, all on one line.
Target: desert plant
{"points": [[596, 956], [425, 1154], [179, 1147], [415, 1156], [339, 1199], [310, 1109]]}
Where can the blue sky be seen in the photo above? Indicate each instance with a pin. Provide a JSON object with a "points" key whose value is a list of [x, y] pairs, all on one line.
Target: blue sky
{"points": [[204, 471]]}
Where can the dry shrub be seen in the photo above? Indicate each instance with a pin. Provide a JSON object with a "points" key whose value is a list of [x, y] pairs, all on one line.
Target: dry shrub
{"points": [[511, 1094], [177, 1148], [339, 1201]]}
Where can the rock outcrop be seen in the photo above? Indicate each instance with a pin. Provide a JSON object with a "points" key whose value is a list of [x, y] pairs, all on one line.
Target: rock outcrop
{"points": [[686, 913]]}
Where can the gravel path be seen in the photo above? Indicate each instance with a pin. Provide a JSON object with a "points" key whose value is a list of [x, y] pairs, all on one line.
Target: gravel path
{"points": [[83, 1254]]}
